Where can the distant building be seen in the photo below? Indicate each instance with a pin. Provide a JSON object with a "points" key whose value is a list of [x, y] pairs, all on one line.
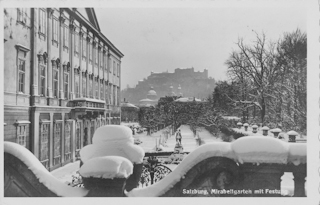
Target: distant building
{"points": [[129, 112], [183, 82], [62, 81], [151, 99]]}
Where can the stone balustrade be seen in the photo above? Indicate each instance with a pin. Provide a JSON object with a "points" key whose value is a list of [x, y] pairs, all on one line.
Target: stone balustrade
{"points": [[248, 167]]}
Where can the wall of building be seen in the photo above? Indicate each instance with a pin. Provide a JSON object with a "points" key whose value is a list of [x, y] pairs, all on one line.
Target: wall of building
{"points": [[55, 45]]}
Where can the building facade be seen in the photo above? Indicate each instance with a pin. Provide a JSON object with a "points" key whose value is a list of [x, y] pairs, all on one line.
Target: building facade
{"points": [[62, 81]]}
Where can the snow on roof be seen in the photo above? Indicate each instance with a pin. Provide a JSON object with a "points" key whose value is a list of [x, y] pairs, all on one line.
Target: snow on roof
{"points": [[107, 167], [112, 133], [44, 176], [130, 151], [276, 130], [292, 133], [190, 99], [260, 149], [265, 128]]}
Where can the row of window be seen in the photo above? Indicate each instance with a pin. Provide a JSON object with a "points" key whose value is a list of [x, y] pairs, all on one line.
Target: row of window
{"points": [[98, 59]]}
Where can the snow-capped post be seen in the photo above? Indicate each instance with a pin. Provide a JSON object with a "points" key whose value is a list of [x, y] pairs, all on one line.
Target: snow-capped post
{"points": [[292, 135], [106, 176], [116, 140], [239, 124], [254, 128], [246, 125], [276, 132], [265, 130]]}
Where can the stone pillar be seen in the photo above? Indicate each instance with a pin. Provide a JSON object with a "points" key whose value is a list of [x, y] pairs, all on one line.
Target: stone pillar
{"points": [[36, 134], [35, 70], [49, 42], [61, 70]]}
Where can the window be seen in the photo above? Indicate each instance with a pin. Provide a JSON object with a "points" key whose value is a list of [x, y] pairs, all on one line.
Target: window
{"points": [[42, 80], [55, 81], [77, 83], [22, 72], [90, 88], [118, 99], [57, 143], [118, 69], [67, 141], [96, 55], [42, 21], [76, 44], [101, 90], [66, 37], [97, 88], [90, 53], [114, 95], [114, 68], [106, 93], [111, 95], [22, 135], [66, 84], [22, 15], [84, 85], [101, 57], [110, 65], [55, 31], [105, 62], [44, 143], [84, 48]]}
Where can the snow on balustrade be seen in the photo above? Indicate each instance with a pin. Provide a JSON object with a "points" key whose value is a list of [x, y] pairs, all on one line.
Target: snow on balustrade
{"points": [[249, 149], [297, 153], [198, 155], [107, 167], [113, 140], [44, 176], [260, 149]]}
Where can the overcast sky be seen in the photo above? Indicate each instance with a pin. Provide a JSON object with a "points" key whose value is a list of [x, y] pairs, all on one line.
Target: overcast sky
{"points": [[162, 38]]}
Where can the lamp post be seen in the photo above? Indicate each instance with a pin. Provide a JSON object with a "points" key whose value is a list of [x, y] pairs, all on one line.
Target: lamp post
{"points": [[254, 128], [265, 130], [292, 135]]}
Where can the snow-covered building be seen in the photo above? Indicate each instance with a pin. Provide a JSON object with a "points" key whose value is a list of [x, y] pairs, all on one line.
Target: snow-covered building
{"points": [[62, 81]]}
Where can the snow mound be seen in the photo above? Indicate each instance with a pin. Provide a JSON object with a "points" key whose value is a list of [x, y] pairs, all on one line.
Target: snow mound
{"points": [[217, 149], [107, 167], [297, 153], [129, 151], [112, 133], [260, 149], [44, 176]]}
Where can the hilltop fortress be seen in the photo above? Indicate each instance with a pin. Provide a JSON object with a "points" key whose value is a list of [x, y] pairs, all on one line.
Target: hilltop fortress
{"points": [[183, 82]]}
